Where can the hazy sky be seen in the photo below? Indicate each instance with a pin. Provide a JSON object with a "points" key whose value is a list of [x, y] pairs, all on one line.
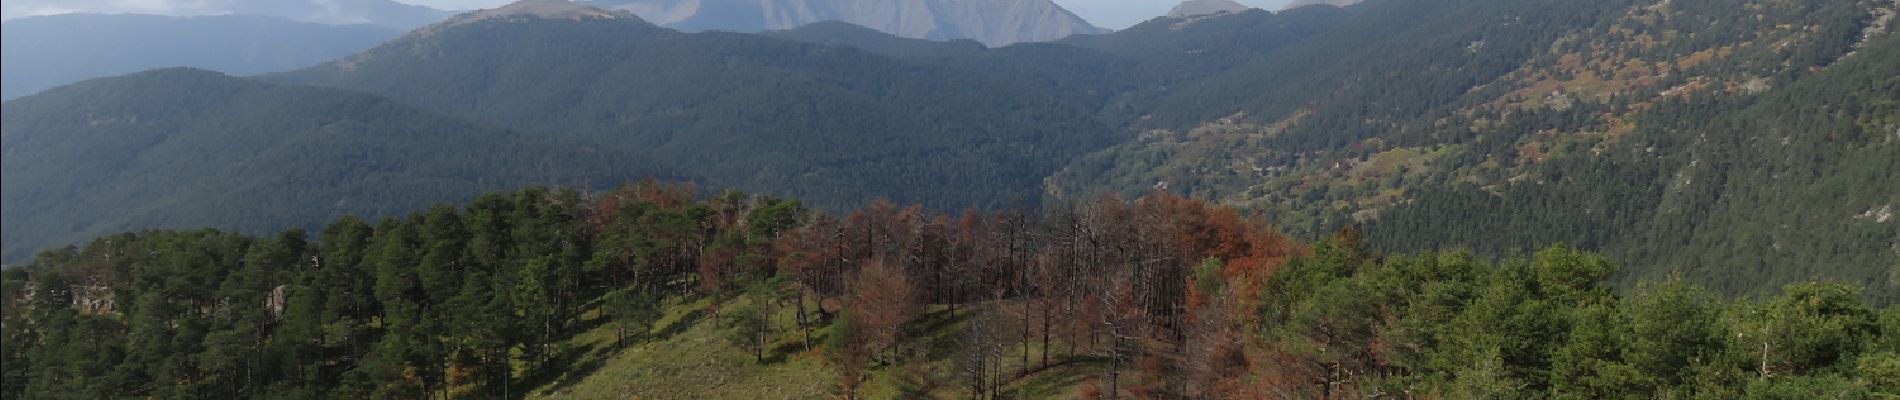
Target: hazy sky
{"points": [[1112, 14]]}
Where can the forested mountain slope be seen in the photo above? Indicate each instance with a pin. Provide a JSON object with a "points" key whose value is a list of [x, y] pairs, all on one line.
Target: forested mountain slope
{"points": [[1432, 123], [862, 38], [42, 52], [833, 125], [1609, 116], [1120, 75], [940, 123], [1793, 183], [181, 148]]}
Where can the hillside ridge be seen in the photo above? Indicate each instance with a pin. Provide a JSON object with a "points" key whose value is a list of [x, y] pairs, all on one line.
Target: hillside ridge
{"points": [[992, 22]]}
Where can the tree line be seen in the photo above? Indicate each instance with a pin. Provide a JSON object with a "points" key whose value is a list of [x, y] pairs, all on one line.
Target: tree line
{"points": [[1156, 297]]}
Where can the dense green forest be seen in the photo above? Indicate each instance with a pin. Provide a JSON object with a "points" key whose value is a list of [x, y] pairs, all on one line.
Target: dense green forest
{"points": [[186, 148], [831, 124], [1789, 165], [1723, 141], [1160, 297], [514, 101]]}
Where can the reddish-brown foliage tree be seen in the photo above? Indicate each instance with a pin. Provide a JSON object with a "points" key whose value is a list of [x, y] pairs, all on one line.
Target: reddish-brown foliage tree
{"points": [[882, 301], [1121, 275]]}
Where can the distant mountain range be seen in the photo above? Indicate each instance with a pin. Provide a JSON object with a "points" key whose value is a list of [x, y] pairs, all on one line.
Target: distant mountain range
{"points": [[1191, 8], [824, 123], [546, 92], [38, 53], [992, 22], [1303, 3], [386, 13]]}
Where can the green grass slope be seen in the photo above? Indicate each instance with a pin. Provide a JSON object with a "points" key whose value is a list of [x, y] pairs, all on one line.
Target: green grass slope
{"points": [[687, 355]]}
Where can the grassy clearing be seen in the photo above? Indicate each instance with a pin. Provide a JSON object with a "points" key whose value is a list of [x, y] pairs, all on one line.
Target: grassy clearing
{"points": [[687, 356]]}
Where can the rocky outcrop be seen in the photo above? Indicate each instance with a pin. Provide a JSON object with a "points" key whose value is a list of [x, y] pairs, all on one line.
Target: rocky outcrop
{"points": [[544, 9], [992, 22], [94, 299]]}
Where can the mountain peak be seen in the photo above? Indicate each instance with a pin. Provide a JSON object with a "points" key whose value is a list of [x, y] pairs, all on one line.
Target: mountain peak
{"points": [[1191, 8], [992, 22], [551, 10], [562, 9], [545, 9]]}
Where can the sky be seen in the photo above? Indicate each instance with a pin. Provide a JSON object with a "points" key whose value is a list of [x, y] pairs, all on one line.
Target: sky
{"points": [[1112, 14]]}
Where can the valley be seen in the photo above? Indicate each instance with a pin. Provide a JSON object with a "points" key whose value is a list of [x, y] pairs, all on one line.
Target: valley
{"points": [[947, 199]]}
